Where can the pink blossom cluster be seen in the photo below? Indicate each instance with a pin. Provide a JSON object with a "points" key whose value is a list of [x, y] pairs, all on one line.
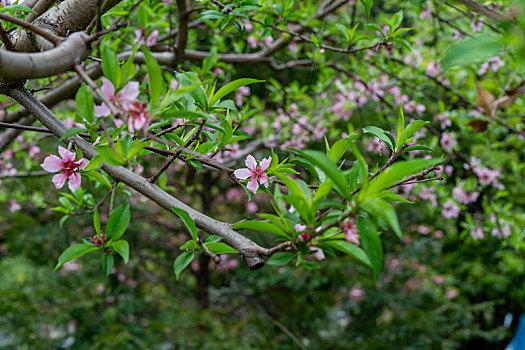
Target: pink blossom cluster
{"points": [[493, 64], [448, 141], [126, 101], [504, 232], [477, 233], [450, 210], [443, 119], [477, 24], [462, 196], [350, 231], [487, 176]]}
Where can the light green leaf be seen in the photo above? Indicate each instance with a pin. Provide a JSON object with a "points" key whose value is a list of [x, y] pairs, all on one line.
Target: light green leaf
{"points": [[371, 242], [122, 247], [381, 134], [411, 130], [350, 249], [381, 209], [234, 85], [471, 50], [329, 167], [85, 104], [261, 226], [71, 132], [118, 221], [281, 258], [182, 261], [110, 65], [74, 252], [155, 78], [220, 248], [107, 263], [187, 220]]}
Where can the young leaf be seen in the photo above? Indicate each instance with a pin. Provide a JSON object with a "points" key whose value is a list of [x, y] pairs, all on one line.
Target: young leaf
{"points": [[107, 263], [154, 76], [350, 249], [220, 248], [329, 167], [85, 104], [400, 128], [71, 132], [368, 6], [74, 252], [118, 221], [382, 210], [183, 260], [96, 222], [187, 220], [261, 226], [234, 85], [371, 242], [411, 130], [122, 247], [281, 258], [110, 65], [381, 134]]}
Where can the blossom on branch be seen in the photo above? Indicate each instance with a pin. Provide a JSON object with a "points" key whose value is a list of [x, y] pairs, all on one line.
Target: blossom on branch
{"points": [[256, 173], [66, 167]]}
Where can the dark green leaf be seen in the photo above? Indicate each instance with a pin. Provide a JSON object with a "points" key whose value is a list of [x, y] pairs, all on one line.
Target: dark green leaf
{"points": [[74, 252], [122, 247], [118, 221], [187, 220], [182, 261], [281, 258], [371, 242]]}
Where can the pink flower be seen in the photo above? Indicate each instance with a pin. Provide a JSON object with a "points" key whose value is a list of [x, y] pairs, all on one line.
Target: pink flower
{"points": [[293, 46], [138, 117], [67, 168], [124, 99], [443, 119], [448, 142], [252, 41], [477, 233], [457, 34], [174, 84], [150, 39], [477, 25], [14, 206], [350, 231], [356, 294], [256, 173], [450, 210], [318, 253], [451, 294], [433, 68], [423, 230]]}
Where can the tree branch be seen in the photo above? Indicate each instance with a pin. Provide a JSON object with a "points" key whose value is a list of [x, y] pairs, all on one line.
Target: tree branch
{"points": [[248, 249]]}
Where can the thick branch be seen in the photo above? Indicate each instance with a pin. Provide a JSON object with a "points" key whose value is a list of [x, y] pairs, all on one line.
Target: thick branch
{"points": [[20, 66]]}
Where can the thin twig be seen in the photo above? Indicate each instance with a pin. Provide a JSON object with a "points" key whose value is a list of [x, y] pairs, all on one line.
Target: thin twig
{"points": [[55, 40]]}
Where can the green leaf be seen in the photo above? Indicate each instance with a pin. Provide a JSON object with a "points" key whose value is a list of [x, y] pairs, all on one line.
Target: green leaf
{"points": [[470, 50], [107, 153], [281, 258], [154, 76], [234, 85], [340, 147], [411, 130], [382, 210], [95, 175], [17, 8], [74, 252], [397, 172], [118, 221], [371, 242], [96, 222], [122, 247], [182, 261], [220, 248], [71, 132], [418, 148], [187, 220], [110, 65], [85, 104], [329, 167], [95, 162], [107, 263], [393, 197], [191, 115], [400, 127], [350, 249], [381, 134], [368, 6], [261, 226]]}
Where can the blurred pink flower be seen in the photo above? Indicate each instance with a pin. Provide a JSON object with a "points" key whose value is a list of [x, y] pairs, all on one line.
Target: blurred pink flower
{"points": [[433, 68], [67, 168], [256, 173], [356, 294], [124, 99], [450, 210]]}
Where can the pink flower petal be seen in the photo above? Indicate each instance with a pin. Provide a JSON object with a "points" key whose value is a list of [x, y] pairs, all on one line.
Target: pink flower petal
{"points": [[263, 179], [107, 88], [102, 110], [82, 163], [130, 92], [251, 163], [265, 163], [253, 185], [59, 180], [242, 173], [52, 164], [74, 181], [66, 154], [118, 123]]}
